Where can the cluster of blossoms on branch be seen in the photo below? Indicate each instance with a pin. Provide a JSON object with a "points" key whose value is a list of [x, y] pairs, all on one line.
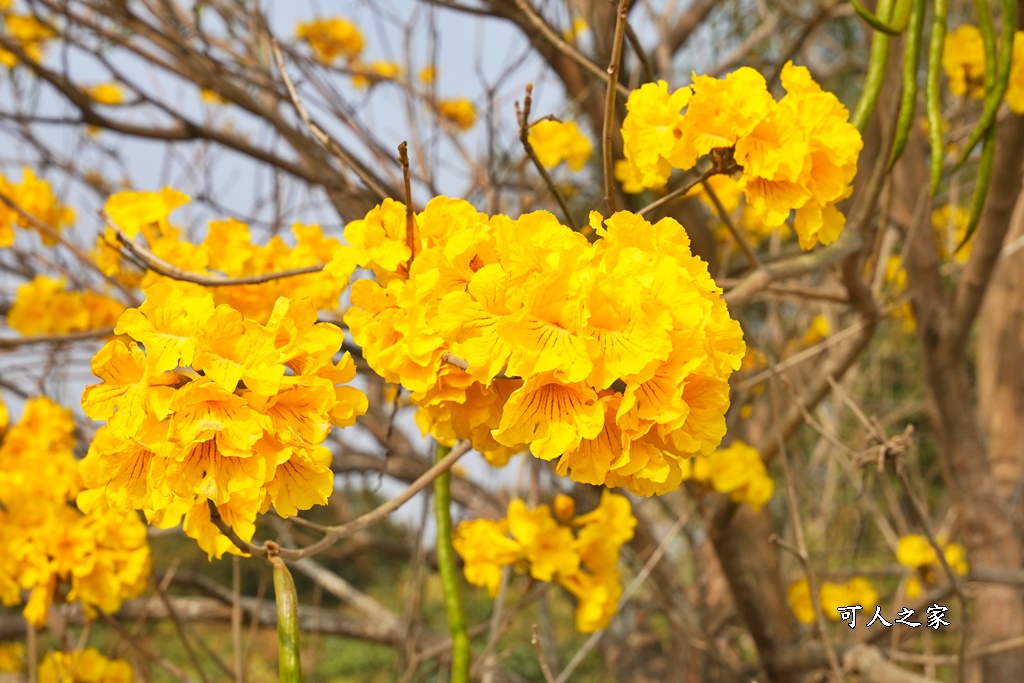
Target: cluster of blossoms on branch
{"points": [[227, 250], [963, 59], [612, 357], [831, 596], [206, 406], [34, 197], [580, 553], [99, 557], [332, 38], [27, 31], [44, 306], [915, 552], [83, 666], [736, 470], [558, 141], [796, 154]]}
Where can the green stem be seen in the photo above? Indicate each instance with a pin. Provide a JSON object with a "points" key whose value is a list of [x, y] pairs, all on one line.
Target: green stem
{"points": [[289, 669], [908, 104], [876, 71], [933, 93], [450, 574]]}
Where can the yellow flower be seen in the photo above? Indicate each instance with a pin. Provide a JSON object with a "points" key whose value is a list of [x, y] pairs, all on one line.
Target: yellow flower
{"points": [[651, 133], [83, 666], [547, 545], [831, 597], [798, 595], [96, 556], [578, 27], [629, 176], [963, 58], [12, 657], [556, 141], [915, 551], [331, 38], [245, 434], [950, 225], [485, 548], [460, 112], [586, 565], [796, 154], [427, 75], [43, 306], [739, 471], [622, 349], [956, 558], [819, 329], [35, 198], [721, 112], [211, 97], [1015, 89], [146, 212], [106, 93], [29, 33], [856, 591], [374, 72], [597, 598]]}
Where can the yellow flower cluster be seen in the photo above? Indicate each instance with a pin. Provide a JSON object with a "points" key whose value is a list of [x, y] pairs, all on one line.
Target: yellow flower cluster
{"points": [[83, 666], [460, 112], [612, 357], [331, 38], [963, 59], [367, 74], [35, 197], [29, 33], [101, 556], [950, 224], [228, 249], [109, 94], [535, 542], [44, 306], [799, 153], [203, 404], [12, 657], [558, 141], [916, 552], [737, 470], [832, 596]]}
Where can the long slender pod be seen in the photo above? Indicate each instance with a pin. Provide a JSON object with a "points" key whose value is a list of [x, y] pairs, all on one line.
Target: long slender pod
{"points": [[876, 71], [932, 91], [908, 103]]}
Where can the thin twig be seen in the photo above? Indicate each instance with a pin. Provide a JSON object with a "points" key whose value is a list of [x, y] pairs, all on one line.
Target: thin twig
{"points": [[609, 105], [677, 193], [236, 618], [410, 213], [158, 265], [748, 252], [83, 335], [523, 116], [627, 595], [336, 533], [538, 647], [801, 549], [318, 133]]}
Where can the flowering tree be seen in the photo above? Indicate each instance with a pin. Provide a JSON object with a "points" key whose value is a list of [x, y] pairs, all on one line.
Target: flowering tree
{"points": [[695, 283]]}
